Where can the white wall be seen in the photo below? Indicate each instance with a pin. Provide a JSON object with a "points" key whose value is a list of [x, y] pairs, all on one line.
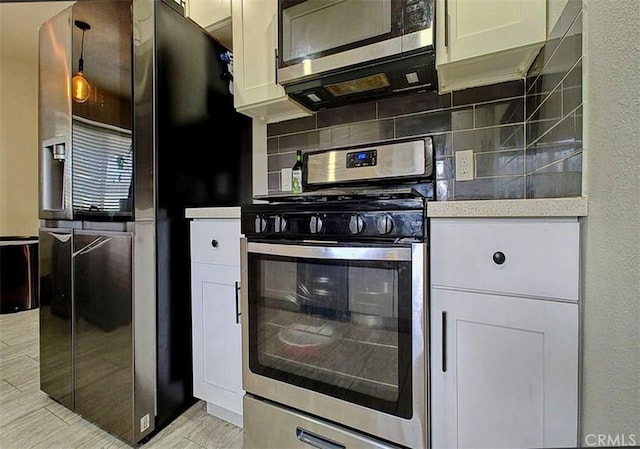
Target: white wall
{"points": [[611, 232], [18, 147], [19, 23]]}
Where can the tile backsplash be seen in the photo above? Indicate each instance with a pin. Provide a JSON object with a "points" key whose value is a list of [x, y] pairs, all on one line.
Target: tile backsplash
{"points": [[526, 135]]}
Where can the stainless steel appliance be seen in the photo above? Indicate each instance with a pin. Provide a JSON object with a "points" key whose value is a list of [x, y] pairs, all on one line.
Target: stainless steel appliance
{"points": [[116, 174], [334, 303], [334, 52]]}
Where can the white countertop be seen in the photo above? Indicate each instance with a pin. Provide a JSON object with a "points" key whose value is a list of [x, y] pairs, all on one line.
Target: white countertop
{"points": [[213, 212], [539, 207]]}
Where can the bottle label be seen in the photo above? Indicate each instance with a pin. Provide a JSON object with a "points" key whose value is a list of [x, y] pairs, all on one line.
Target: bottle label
{"points": [[296, 181]]}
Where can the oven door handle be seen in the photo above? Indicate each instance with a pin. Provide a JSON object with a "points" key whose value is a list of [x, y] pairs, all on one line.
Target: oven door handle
{"points": [[316, 441], [390, 253], [238, 313]]}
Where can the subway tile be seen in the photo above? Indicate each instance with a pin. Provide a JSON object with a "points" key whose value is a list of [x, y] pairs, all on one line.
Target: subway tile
{"points": [[324, 138], [462, 119], [493, 92], [539, 62], [445, 168], [291, 126], [418, 124], [544, 106], [444, 190], [499, 113], [540, 158], [571, 14], [545, 83], [578, 124], [489, 139], [535, 129], [301, 141], [500, 163], [554, 132], [572, 89], [273, 181], [279, 161], [556, 57], [442, 145], [561, 179], [358, 133], [346, 114], [420, 102], [272, 145], [490, 188], [556, 65]]}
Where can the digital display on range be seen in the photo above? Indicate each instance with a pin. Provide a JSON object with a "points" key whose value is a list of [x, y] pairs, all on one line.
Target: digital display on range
{"points": [[362, 158]]}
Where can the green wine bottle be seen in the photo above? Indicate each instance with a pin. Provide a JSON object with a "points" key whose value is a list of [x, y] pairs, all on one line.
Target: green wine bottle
{"points": [[296, 174]]}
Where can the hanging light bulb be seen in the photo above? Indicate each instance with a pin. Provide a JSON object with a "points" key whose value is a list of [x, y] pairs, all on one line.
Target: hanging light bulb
{"points": [[80, 88]]}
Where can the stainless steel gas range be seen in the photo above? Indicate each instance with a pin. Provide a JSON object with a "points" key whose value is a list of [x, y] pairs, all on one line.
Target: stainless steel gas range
{"points": [[334, 303]]}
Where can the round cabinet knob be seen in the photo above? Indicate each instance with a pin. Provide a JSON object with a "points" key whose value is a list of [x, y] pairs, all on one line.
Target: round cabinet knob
{"points": [[261, 224], [356, 224], [280, 224], [499, 257], [384, 224], [214, 243], [316, 225]]}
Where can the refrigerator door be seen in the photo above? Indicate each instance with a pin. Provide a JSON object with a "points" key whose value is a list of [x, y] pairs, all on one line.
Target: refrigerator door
{"points": [[56, 312], [54, 114], [102, 264]]}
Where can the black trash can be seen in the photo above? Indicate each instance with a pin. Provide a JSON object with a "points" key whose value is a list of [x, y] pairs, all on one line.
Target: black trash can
{"points": [[18, 274]]}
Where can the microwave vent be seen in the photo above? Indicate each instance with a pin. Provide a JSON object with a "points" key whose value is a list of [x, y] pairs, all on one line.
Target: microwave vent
{"points": [[365, 84]]}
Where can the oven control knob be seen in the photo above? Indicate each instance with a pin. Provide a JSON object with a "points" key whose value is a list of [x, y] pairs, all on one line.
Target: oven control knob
{"points": [[356, 224], [280, 224], [384, 224], [261, 224], [316, 225]]}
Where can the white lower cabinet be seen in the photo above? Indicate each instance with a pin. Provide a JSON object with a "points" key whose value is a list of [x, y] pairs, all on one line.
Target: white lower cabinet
{"points": [[504, 371], [216, 332], [504, 365]]}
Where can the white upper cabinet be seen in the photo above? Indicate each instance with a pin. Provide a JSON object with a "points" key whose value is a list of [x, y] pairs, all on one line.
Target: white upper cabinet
{"points": [[214, 16], [481, 42], [255, 89]]}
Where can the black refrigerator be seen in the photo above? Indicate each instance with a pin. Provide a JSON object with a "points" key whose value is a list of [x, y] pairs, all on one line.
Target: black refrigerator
{"points": [[157, 134]]}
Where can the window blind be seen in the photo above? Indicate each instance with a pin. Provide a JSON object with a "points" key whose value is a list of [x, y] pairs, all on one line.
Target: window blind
{"points": [[102, 166]]}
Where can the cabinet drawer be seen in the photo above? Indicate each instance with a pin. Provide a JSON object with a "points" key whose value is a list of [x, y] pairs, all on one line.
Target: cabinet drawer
{"points": [[216, 241], [541, 256]]}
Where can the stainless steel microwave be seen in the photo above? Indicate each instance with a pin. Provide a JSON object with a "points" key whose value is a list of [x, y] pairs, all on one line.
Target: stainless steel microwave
{"points": [[335, 52]]}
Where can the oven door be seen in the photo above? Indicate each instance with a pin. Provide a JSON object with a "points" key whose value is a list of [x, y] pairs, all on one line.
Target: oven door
{"points": [[338, 331]]}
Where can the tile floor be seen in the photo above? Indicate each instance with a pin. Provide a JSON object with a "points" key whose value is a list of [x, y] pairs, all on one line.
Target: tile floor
{"points": [[30, 419]]}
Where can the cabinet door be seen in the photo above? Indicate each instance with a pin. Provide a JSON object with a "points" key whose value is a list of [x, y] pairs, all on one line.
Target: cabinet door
{"points": [[214, 16], [217, 346], [503, 371], [256, 91], [209, 12], [488, 40]]}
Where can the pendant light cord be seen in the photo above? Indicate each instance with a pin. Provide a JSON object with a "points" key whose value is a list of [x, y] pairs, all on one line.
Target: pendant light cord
{"points": [[81, 62]]}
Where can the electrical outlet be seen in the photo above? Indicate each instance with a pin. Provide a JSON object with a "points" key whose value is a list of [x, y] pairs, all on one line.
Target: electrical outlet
{"points": [[464, 165], [285, 179]]}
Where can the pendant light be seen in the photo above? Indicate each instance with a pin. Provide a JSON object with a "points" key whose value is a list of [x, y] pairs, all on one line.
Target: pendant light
{"points": [[80, 88]]}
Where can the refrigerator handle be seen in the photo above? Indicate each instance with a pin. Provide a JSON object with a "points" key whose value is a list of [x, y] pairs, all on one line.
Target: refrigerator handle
{"points": [[63, 238], [95, 244]]}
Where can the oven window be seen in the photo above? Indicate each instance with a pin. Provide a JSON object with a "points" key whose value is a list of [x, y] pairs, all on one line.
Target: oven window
{"points": [[337, 327]]}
